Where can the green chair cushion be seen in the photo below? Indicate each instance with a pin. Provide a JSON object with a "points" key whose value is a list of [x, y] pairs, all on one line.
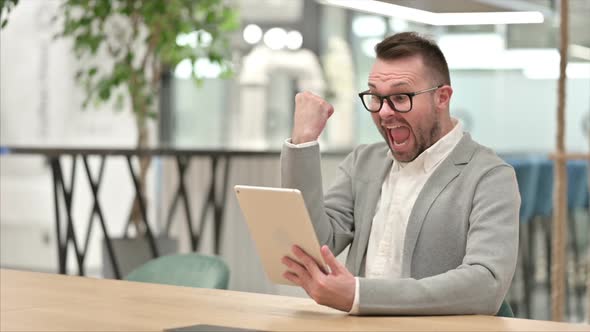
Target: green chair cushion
{"points": [[505, 310], [190, 270]]}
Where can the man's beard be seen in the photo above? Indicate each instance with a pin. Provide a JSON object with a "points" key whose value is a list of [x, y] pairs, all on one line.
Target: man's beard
{"points": [[422, 139]]}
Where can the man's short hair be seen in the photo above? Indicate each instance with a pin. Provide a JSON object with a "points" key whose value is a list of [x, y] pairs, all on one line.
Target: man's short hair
{"points": [[407, 44]]}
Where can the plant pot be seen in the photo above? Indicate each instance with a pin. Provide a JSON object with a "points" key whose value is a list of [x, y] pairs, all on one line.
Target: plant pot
{"points": [[133, 252]]}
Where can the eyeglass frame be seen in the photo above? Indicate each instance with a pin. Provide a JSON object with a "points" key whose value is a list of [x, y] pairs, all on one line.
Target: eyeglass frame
{"points": [[391, 104]]}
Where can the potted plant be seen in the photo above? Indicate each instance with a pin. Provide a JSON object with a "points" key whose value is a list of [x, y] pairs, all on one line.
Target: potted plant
{"points": [[5, 7], [139, 40]]}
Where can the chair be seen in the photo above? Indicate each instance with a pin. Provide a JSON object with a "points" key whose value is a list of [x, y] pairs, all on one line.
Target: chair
{"points": [[190, 270], [544, 210], [527, 173], [526, 170], [577, 190], [577, 184], [577, 199], [505, 310]]}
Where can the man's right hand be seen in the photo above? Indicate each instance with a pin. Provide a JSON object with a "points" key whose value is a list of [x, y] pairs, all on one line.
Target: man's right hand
{"points": [[311, 115]]}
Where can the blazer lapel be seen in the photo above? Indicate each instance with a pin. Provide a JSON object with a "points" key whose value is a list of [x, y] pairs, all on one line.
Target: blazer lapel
{"points": [[446, 172]]}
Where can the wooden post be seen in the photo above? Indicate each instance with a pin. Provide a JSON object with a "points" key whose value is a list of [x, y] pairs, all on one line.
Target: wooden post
{"points": [[588, 246], [559, 229]]}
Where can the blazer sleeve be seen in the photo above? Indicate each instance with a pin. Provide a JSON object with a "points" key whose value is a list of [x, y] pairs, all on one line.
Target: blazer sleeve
{"points": [[332, 214], [481, 282]]}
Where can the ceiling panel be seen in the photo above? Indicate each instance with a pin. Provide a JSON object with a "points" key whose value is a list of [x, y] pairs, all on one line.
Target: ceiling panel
{"points": [[446, 6], [522, 35]]}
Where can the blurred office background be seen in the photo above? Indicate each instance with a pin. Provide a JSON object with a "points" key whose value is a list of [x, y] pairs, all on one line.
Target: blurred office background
{"points": [[505, 92]]}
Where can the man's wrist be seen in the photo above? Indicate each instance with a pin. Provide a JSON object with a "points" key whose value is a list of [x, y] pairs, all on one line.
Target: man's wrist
{"points": [[355, 302], [298, 137], [300, 140], [289, 143]]}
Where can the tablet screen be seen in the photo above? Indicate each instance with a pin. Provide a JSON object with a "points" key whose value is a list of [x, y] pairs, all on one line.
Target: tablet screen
{"points": [[278, 219]]}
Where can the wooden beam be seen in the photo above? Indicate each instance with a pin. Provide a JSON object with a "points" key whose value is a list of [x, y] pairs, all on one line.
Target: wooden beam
{"points": [[559, 229]]}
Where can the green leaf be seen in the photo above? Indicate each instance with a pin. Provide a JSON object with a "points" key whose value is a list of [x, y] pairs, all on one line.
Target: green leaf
{"points": [[102, 8], [121, 72], [211, 18], [198, 81], [231, 20], [152, 115], [129, 57], [226, 73], [104, 89], [119, 102]]}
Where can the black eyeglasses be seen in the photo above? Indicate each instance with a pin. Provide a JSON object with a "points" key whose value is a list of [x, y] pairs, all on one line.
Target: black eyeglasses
{"points": [[399, 102]]}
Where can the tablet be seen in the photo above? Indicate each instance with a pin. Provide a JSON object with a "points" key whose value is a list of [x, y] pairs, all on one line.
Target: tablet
{"points": [[277, 220], [208, 328]]}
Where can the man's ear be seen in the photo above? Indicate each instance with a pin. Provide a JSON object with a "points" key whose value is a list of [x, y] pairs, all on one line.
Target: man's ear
{"points": [[443, 96]]}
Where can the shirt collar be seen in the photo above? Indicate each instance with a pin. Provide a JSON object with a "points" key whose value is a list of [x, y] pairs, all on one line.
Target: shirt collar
{"points": [[434, 154]]}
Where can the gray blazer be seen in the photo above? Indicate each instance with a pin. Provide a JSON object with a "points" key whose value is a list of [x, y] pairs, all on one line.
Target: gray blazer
{"points": [[461, 241]]}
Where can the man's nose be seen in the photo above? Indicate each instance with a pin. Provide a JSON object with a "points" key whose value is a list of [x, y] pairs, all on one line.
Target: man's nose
{"points": [[386, 111]]}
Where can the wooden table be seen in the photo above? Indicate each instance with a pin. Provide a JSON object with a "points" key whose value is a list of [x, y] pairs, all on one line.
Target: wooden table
{"points": [[32, 301]]}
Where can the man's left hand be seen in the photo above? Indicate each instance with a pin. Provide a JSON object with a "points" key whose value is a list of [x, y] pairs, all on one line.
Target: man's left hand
{"points": [[334, 289]]}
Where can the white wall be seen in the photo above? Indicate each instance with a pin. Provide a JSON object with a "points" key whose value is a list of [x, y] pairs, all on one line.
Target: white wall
{"points": [[512, 113]]}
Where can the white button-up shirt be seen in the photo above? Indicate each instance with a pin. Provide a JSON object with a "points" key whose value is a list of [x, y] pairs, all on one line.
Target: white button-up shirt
{"points": [[399, 192]]}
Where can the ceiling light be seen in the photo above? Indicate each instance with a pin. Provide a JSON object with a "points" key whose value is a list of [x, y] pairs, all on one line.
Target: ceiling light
{"points": [[205, 68], [184, 69], [368, 26], [275, 38], [252, 34], [488, 18], [193, 39], [426, 17], [294, 40]]}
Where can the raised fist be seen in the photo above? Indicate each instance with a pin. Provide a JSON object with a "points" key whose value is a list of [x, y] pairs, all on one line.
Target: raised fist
{"points": [[311, 114]]}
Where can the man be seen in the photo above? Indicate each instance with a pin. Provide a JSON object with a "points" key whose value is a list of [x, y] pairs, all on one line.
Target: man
{"points": [[431, 216]]}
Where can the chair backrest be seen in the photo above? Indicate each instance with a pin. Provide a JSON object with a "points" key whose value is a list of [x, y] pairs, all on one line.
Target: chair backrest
{"points": [[505, 310], [191, 270], [544, 200], [577, 184], [526, 169]]}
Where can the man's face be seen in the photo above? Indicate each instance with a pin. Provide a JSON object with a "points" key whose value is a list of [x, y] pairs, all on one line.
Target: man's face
{"points": [[407, 134]]}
